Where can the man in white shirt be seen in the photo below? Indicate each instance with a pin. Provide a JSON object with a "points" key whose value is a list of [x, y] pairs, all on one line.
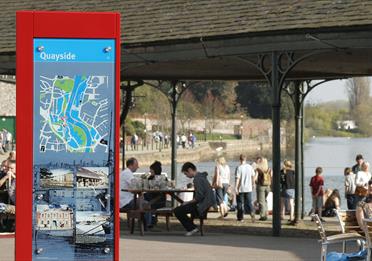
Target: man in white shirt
{"points": [[245, 180], [126, 198]]}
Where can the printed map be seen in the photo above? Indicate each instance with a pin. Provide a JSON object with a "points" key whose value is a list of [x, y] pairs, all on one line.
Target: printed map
{"points": [[75, 113]]}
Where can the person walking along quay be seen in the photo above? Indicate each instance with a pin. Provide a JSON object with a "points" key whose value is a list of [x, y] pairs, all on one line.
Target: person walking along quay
{"points": [[287, 175], [245, 182], [221, 183], [264, 176]]}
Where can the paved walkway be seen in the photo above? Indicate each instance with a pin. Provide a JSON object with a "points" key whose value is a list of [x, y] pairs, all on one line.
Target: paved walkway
{"points": [[160, 246], [217, 247]]}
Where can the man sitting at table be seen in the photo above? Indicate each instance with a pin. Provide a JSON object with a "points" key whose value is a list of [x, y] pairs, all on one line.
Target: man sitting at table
{"points": [[126, 198], [202, 201]]}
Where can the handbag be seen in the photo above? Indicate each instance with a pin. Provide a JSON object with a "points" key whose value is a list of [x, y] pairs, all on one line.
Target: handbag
{"points": [[361, 191], [217, 183]]}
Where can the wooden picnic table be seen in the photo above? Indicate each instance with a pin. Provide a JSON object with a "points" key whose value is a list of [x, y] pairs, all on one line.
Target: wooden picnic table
{"points": [[173, 192]]}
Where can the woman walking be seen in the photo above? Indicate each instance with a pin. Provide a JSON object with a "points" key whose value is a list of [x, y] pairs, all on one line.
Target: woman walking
{"points": [[263, 187], [288, 190], [221, 182]]}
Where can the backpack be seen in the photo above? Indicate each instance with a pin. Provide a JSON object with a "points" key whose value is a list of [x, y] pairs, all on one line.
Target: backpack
{"points": [[266, 178]]}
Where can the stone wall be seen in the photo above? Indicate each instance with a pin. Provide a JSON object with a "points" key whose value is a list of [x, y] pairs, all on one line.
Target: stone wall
{"points": [[206, 151]]}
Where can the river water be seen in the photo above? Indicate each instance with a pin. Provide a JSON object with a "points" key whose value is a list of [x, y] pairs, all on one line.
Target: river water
{"points": [[332, 154]]}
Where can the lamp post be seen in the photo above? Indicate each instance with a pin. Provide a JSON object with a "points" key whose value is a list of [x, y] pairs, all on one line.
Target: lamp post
{"points": [[145, 131], [241, 126], [205, 129]]}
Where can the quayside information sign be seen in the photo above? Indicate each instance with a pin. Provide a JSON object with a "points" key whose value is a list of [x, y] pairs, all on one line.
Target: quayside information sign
{"points": [[68, 84], [73, 133]]}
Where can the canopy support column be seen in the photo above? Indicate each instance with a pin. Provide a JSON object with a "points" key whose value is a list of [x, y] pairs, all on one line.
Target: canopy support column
{"points": [[127, 89], [275, 88], [298, 90], [174, 101]]}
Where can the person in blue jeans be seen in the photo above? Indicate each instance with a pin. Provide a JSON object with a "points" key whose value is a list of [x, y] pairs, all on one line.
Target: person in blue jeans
{"points": [[245, 180], [287, 175]]}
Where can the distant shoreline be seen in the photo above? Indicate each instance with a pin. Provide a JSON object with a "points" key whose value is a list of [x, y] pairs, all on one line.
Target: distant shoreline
{"points": [[205, 151]]}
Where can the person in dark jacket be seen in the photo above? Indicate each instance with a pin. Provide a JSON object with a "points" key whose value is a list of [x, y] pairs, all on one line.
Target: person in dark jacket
{"points": [[287, 175], [199, 205]]}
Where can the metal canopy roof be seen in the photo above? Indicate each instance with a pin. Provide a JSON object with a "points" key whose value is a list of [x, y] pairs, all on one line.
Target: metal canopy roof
{"points": [[215, 39], [335, 55]]}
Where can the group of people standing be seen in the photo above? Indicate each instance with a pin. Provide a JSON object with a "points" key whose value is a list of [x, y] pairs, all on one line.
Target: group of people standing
{"points": [[248, 178], [356, 182]]}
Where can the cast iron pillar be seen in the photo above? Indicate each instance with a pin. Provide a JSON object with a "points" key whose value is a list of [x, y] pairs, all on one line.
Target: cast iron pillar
{"points": [[173, 90], [276, 86], [174, 101], [298, 159], [275, 71], [127, 89], [297, 95], [298, 90], [302, 167], [295, 91]]}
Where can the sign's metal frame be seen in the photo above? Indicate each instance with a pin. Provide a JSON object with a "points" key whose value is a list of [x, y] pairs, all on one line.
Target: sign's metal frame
{"points": [[35, 24]]}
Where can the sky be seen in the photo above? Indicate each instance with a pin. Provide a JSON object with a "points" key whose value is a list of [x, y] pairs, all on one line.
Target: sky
{"points": [[329, 91]]}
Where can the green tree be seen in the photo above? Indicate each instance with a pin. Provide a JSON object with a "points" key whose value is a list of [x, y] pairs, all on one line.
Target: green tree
{"points": [[254, 98], [363, 117], [360, 103]]}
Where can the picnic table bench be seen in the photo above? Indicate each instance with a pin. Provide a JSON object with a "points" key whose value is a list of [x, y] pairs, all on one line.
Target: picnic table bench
{"points": [[139, 212]]}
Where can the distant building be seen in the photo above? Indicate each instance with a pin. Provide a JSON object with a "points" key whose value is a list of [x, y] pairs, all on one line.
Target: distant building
{"points": [[248, 128], [346, 125], [59, 178], [89, 178], [54, 219], [253, 128]]}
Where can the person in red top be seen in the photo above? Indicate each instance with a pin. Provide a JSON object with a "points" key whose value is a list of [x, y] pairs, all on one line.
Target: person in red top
{"points": [[317, 184]]}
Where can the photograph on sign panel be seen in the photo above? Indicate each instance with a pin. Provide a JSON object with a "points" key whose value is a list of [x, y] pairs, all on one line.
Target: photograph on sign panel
{"points": [[54, 178], [93, 227], [92, 177], [55, 220]]}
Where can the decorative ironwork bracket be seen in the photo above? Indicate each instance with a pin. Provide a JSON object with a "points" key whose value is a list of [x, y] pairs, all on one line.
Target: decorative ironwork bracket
{"points": [[298, 90], [276, 71], [127, 88]]}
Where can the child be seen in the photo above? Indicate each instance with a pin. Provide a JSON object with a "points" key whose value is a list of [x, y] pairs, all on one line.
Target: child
{"points": [[316, 184]]}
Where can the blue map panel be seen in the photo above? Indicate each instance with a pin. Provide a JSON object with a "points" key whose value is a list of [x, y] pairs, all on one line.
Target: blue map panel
{"points": [[74, 112]]}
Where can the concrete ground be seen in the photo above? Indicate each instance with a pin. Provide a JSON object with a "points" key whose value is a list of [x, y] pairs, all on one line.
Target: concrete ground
{"points": [[225, 240], [160, 246], [216, 247]]}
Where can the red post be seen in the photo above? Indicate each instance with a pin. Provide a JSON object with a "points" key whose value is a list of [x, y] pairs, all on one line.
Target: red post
{"points": [[71, 25]]}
